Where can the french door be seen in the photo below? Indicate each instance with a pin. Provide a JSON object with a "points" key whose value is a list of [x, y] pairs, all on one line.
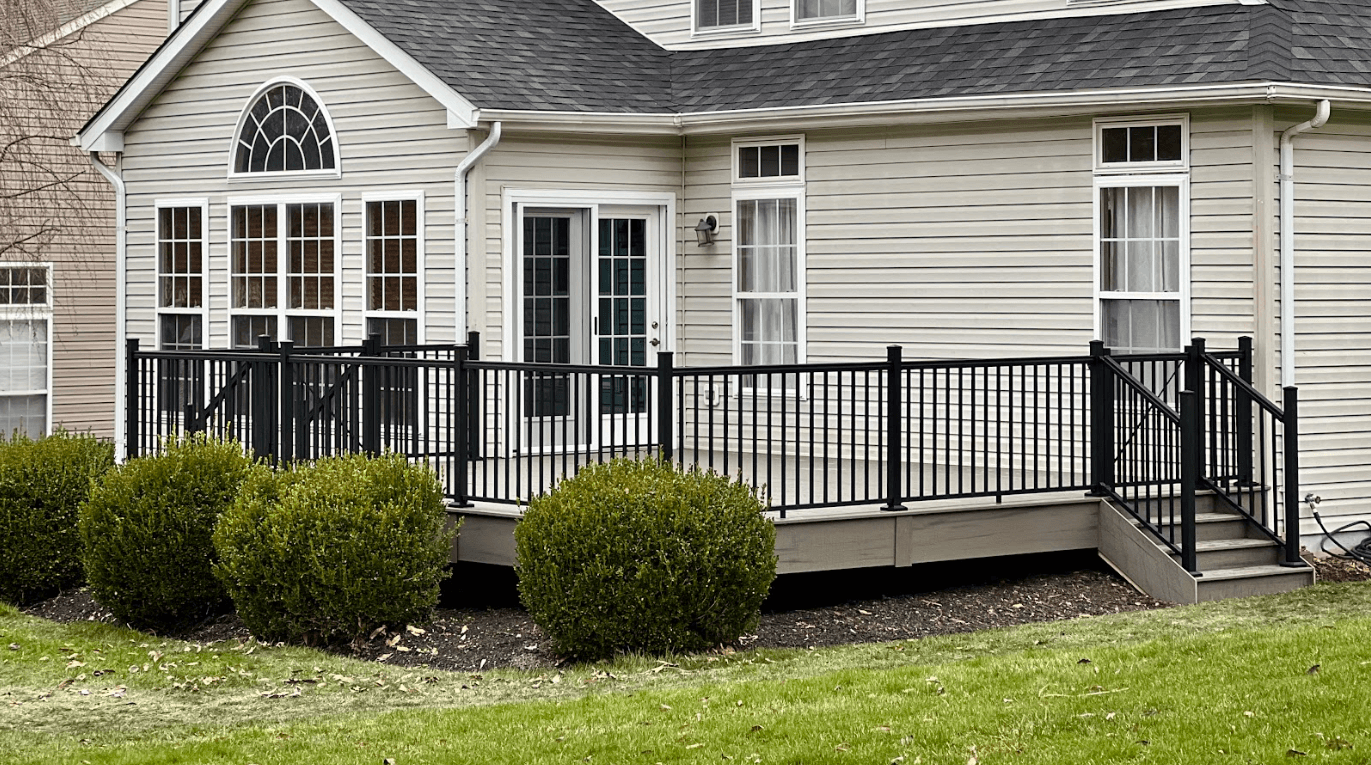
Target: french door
{"points": [[590, 296]]}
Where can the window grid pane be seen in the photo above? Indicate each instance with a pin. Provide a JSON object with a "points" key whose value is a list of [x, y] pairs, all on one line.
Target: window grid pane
{"points": [[180, 257], [309, 240], [1140, 239], [392, 248], [23, 286], [723, 13], [825, 9], [254, 266]]}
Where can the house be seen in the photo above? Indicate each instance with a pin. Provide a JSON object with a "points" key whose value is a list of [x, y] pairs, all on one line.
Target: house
{"points": [[771, 182], [59, 62]]}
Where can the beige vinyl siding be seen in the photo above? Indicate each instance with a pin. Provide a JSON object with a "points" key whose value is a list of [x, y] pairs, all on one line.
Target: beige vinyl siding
{"points": [[972, 240], [667, 22], [1333, 309], [90, 63], [391, 137], [566, 163], [1221, 220]]}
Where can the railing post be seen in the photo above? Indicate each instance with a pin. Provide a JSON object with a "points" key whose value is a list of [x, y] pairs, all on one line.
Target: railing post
{"points": [[1190, 477], [264, 403], [1194, 382], [461, 436], [287, 377], [131, 434], [1292, 478], [894, 423], [665, 404], [1101, 421], [371, 397], [474, 420], [1242, 401]]}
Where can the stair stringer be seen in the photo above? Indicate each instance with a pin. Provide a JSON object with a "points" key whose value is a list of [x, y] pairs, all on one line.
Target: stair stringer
{"points": [[1136, 556]]}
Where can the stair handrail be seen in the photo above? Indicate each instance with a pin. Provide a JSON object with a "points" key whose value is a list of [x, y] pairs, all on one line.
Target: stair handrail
{"points": [[1114, 371], [1288, 416]]}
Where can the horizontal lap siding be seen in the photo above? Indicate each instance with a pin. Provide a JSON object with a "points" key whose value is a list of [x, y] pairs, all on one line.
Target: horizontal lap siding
{"points": [[392, 137], [1221, 243], [650, 165], [95, 61], [667, 22], [1333, 310], [955, 242]]}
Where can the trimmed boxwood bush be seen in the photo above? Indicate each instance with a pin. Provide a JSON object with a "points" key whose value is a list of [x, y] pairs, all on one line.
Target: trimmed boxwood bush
{"points": [[328, 552], [147, 530], [42, 486], [639, 556]]}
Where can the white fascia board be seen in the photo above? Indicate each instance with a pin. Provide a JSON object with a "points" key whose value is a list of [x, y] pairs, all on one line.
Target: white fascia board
{"points": [[923, 110], [206, 22], [71, 27]]}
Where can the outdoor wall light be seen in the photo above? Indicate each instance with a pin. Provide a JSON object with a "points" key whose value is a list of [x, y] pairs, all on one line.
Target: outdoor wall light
{"points": [[705, 230]]}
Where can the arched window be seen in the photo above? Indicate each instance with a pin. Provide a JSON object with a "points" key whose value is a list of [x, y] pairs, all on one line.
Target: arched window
{"points": [[285, 130]]}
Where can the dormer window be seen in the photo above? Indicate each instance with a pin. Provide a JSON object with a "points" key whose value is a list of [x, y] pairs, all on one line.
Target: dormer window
{"points": [[285, 130], [726, 16]]}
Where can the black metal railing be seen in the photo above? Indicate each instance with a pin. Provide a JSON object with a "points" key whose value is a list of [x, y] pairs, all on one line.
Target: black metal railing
{"points": [[882, 433]]}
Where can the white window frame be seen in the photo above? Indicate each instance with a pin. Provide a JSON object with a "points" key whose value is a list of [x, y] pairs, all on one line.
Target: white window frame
{"points": [[783, 187], [203, 204], [420, 264], [1127, 168], [281, 311], [335, 172], [735, 29], [1180, 180], [856, 19], [30, 311]]}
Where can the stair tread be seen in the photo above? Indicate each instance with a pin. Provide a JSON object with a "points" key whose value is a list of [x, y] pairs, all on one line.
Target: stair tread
{"points": [[1248, 572], [1233, 544]]}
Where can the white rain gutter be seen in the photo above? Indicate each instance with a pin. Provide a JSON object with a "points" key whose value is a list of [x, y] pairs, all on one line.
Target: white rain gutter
{"points": [[460, 230], [116, 179], [1287, 259]]}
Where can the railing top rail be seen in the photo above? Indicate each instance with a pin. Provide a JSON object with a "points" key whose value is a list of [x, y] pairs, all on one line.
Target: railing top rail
{"points": [[1135, 357], [1142, 390], [1020, 361], [780, 369], [208, 355], [1233, 377]]}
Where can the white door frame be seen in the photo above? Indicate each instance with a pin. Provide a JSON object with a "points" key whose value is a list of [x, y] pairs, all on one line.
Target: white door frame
{"points": [[514, 199]]}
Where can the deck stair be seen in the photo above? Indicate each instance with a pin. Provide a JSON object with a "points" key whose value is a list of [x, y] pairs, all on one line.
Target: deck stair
{"points": [[1235, 559]]}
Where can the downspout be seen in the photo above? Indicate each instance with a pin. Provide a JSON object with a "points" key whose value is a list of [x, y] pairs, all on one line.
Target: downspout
{"points": [[1287, 259], [460, 230], [116, 179]]}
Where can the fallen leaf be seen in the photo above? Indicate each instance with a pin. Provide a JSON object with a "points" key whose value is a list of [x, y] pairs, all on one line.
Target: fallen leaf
{"points": [[694, 746], [1295, 753], [411, 629], [755, 729], [1083, 661], [666, 708], [14, 646], [393, 641], [841, 748], [384, 656], [378, 631], [1314, 670]]}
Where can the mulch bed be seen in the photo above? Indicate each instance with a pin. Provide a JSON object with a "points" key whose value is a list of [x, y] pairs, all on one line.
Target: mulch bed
{"points": [[478, 638], [473, 639]]}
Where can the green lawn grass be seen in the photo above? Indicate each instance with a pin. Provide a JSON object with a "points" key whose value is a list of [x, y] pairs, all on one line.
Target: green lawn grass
{"points": [[1223, 682]]}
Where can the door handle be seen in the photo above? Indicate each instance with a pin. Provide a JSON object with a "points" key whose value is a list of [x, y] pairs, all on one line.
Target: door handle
{"points": [[655, 342]]}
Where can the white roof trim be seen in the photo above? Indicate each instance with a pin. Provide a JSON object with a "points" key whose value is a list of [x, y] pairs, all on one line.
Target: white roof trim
{"points": [[71, 27], [925, 109], [205, 23]]}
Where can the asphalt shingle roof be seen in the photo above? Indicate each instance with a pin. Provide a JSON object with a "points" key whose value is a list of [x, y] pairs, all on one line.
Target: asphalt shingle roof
{"points": [[572, 55]]}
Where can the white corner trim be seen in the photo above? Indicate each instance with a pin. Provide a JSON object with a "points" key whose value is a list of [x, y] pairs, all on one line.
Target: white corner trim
{"points": [[71, 27], [200, 29]]}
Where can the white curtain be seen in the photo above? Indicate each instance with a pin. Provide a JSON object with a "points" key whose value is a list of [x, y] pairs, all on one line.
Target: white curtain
{"points": [[768, 268]]}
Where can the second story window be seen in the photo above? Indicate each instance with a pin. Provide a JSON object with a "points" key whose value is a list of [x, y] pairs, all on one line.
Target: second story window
{"points": [[725, 15], [285, 130], [823, 11]]}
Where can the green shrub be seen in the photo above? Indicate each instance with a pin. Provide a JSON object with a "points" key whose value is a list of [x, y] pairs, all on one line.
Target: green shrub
{"points": [[638, 556], [42, 486], [147, 531], [329, 551]]}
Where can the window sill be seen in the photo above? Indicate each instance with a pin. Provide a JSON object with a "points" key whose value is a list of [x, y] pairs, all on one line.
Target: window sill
{"points": [[833, 23], [736, 31]]}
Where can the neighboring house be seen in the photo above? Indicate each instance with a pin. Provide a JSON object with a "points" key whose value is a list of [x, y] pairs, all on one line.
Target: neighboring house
{"points": [[59, 63], [966, 180]]}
